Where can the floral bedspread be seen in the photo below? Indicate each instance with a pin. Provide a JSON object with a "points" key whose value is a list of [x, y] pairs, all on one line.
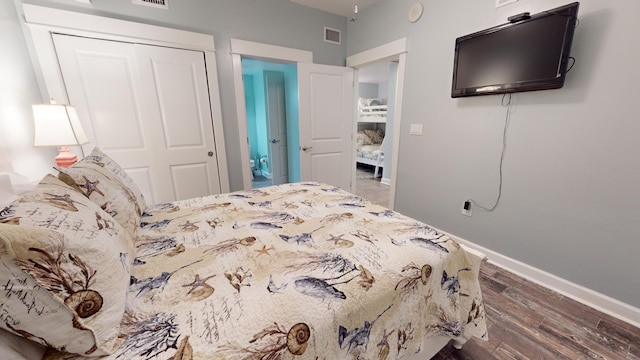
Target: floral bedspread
{"points": [[296, 271]]}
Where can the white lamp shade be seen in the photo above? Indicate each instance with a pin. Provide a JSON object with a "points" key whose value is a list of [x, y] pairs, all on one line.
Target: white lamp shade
{"points": [[57, 125]]}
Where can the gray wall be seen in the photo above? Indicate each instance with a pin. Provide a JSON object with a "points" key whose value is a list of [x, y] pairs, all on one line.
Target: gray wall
{"points": [[276, 22], [368, 90], [571, 196]]}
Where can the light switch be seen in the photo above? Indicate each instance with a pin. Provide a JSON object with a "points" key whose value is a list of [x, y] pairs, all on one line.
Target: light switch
{"points": [[415, 129]]}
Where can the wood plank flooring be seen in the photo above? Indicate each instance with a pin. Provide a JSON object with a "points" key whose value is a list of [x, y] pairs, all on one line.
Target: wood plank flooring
{"points": [[528, 321]]}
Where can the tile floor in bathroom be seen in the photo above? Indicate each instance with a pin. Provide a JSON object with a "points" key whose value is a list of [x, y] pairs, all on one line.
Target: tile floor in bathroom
{"points": [[260, 182]]}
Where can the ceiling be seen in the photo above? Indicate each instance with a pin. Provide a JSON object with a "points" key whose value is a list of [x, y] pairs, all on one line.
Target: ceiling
{"points": [[338, 7]]}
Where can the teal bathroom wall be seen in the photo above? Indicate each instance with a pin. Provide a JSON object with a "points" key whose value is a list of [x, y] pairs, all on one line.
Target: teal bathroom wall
{"points": [[257, 124], [293, 128]]}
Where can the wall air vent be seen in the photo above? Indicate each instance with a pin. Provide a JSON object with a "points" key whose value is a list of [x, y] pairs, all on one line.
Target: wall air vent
{"points": [[332, 35], [162, 4]]}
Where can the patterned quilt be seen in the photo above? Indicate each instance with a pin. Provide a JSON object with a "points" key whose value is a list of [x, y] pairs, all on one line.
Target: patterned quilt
{"points": [[296, 271], [371, 152]]}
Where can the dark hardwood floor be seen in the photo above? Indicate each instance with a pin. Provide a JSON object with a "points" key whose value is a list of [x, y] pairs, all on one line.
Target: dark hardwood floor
{"points": [[527, 321]]}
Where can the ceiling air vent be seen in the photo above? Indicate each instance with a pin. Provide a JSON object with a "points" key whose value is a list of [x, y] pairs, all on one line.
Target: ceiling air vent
{"points": [[332, 35], [162, 4]]}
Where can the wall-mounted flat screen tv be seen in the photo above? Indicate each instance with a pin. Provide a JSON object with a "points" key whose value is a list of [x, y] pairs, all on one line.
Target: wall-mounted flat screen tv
{"points": [[526, 55]]}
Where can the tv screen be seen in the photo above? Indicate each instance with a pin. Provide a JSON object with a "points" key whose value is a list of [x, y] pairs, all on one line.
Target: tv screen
{"points": [[528, 55]]}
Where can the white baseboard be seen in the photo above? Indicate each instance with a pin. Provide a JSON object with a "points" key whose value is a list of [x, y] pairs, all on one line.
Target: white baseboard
{"points": [[385, 181], [591, 298]]}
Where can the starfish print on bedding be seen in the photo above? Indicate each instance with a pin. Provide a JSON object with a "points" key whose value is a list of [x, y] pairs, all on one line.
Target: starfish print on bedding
{"points": [[189, 226], [336, 239], [199, 283], [90, 186], [289, 205], [264, 250], [366, 221]]}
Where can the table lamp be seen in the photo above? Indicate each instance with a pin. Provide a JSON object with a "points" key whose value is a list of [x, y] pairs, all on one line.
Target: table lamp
{"points": [[58, 125]]}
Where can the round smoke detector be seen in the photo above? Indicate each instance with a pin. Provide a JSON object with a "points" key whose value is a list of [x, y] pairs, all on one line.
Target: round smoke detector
{"points": [[415, 12]]}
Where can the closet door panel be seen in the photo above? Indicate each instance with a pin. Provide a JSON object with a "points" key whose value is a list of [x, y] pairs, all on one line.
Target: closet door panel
{"points": [[147, 107], [118, 127], [102, 83], [178, 97]]}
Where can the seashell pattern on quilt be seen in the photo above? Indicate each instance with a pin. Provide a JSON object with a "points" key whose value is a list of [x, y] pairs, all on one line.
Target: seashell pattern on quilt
{"points": [[295, 271]]}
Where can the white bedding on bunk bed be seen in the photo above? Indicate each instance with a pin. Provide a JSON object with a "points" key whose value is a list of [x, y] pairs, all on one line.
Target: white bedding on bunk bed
{"points": [[370, 141], [369, 146]]}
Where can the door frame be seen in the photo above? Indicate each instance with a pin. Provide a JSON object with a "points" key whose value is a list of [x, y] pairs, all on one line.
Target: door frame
{"points": [[41, 22], [260, 51], [391, 51]]}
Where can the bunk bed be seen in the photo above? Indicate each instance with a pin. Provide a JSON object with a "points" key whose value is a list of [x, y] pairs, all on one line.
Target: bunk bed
{"points": [[372, 119]]}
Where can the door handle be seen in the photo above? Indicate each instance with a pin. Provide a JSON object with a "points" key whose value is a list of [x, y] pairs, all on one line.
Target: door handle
{"points": [[306, 148], [210, 154], [275, 141]]}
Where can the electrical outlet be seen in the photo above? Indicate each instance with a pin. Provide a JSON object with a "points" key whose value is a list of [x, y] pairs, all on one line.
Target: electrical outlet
{"points": [[467, 208]]}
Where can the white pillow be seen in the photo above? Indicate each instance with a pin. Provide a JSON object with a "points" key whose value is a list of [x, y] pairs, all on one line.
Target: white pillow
{"points": [[65, 267]]}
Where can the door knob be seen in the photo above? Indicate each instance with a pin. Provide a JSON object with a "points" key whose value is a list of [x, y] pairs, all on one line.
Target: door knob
{"points": [[275, 141], [306, 148], [210, 153]]}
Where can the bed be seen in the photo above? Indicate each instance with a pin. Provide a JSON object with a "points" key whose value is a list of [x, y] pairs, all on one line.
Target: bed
{"points": [[294, 271], [372, 111], [372, 118]]}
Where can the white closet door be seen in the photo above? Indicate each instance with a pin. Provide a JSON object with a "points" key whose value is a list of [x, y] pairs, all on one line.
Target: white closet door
{"points": [[148, 108], [174, 83], [326, 123]]}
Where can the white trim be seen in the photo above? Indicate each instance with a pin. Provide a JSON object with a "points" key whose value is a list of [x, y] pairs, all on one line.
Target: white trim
{"points": [[395, 50], [108, 28], [240, 48], [385, 181], [216, 112], [42, 22], [388, 51], [266, 51], [591, 298], [241, 114]]}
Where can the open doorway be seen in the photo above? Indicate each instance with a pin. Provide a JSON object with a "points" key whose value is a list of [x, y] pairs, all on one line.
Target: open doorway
{"points": [[374, 126], [393, 55], [272, 121]]}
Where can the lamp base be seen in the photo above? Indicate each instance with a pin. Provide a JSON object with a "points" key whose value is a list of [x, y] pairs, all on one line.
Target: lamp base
{"points": [[66, 158]]}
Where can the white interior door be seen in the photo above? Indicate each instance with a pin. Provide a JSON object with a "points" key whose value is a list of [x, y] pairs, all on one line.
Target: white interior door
{"points": [[276, 112], [326, 124], [174, 83], [148, 108]]}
